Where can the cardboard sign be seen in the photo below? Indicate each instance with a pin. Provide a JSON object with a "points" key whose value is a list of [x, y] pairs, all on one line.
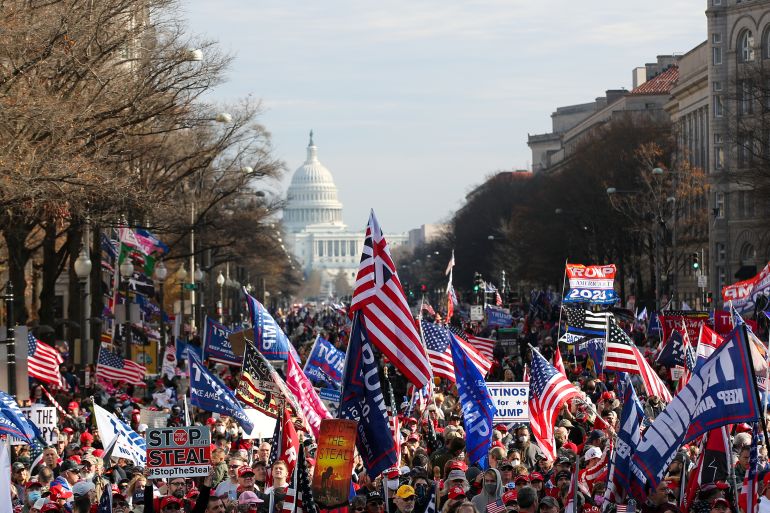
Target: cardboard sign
{"points": [[44, 417], [334, 462], [178, 452], [511, 401]]}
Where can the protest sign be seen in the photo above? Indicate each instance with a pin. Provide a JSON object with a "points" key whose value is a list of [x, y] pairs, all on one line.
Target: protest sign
{"points": [[178, 451], [499, 317], [511, 400], [591, 284], [334, 462], [44, 417]]}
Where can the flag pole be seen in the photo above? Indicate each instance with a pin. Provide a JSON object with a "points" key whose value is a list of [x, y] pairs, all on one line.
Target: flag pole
{"points": [[753, 378], [561, 309]]}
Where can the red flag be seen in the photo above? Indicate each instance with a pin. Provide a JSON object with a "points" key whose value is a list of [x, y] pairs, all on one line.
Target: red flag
{"points": [[380, 298], [557, 361], [289, 443]]}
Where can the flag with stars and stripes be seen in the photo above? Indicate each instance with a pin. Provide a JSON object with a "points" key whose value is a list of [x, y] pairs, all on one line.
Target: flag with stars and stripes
{"points": [[437, 338], [586, 323], [748, 499], [275, 451], [548, 390], [43, 361], [112, 366], [380, 298]]}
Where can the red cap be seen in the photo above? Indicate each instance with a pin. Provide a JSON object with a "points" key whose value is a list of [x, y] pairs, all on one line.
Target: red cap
{"points": [[536, 476], [58, 492], [742, 428], [456, 492], [86, 437], [458, 465], [245, 469], [50, 506], [76, 459], [115, 488], [30, 484], [510, 496], [73, 404], [170, 499], [211, 421], [98, 453], [68, 430], [502, 427], [498, 443], [413, 437], [521, 477], [608, 396]]}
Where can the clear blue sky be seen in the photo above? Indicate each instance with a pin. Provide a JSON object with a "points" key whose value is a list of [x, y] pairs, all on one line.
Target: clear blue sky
{"points": [[414, 102]]}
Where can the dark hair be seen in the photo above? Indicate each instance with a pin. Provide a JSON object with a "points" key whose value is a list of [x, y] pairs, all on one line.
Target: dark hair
{"points": [[527, 497]]}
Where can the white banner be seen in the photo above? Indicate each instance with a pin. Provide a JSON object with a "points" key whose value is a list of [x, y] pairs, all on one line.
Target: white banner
{"points": [[511, 400], [44, 417], [128, 443]]}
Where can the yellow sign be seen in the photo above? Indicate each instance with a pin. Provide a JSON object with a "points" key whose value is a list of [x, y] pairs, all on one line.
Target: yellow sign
{"points": [[334, 462]]}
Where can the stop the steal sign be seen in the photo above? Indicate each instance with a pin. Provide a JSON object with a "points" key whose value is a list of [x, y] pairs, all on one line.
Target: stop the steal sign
{"points": [[178, 451]]}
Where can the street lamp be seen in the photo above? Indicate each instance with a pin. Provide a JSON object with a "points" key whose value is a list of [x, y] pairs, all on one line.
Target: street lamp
{"points": [[10, 337], [220, 304], [83, 271], [198, 280], [181, 275], [126, 271], [161, 273]]}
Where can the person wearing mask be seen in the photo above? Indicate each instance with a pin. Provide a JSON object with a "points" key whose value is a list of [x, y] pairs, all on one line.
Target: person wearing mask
{"points": [[423, 489], [229, 486], [33, 491], [492, 490], [527, 499], [405, 499], [529, 451]]}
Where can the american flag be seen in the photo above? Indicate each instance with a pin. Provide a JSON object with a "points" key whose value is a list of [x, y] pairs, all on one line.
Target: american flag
{"points": [[485, 346], [299, 494], [496, 506], [437, 339], [43, 361], [748, 497], [114, 367], [548, 390], [427, 308], [689, 362], [380, 298], [585, 322], [477, 350], [557, 361], [275, 450], [622, 355]]}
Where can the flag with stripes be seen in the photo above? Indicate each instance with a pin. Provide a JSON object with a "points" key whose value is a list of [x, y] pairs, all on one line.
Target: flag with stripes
{"points": [[380, 298], [558, 363], [427, 308], [485, 346], [622, 355], [256, 387], [586, 323], [548, 390], [275, 451], [299, 494], [708, 341], [55, 403], [748, 499], [112, 366], [437, 340], [43, 361]]}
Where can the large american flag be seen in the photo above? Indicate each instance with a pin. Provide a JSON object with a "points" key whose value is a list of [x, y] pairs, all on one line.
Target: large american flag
{"points": [[485, 346], [43, 361], [114, 367], [380, 298], [437, 340], [584, 322], [622, 355], [548, 390]]}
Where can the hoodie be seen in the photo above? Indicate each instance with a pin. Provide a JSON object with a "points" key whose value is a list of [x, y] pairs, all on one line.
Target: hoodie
{"points": [[484, 498]]}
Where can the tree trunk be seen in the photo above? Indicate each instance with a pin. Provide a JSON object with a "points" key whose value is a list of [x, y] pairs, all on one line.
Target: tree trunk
{"points": [[15, 235], [47, 312], [75, 305]]}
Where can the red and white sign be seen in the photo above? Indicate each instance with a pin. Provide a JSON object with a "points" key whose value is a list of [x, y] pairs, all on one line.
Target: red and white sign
{"points": [[178, 451], [312, 408]]}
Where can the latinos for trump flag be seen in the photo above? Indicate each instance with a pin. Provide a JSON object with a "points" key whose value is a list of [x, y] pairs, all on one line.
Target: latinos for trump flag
{"points": [[209, 393], [364, 401], [720, 392], [591, 284], [325, 363], [216, 344], [476, 403], [269, 338]]}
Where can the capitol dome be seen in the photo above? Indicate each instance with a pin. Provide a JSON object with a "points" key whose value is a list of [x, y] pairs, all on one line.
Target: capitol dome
{"points": [[311, 199]]}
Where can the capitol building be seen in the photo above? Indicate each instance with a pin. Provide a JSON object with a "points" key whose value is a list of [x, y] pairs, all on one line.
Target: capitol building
{"points": [[315, 231]]}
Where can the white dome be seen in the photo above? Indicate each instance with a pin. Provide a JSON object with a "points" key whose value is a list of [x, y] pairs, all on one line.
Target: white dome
{"points": [[312, 196]]}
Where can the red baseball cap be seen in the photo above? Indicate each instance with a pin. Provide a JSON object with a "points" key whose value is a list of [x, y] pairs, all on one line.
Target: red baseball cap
{"points": [[536, 476], [606, 396], [211, 421], [50, 506], [58, 492], [68, 430], [98, 453], [86, 437], [245, 469], [521, 477], [510, 496], [170, 499], [73, 404], [502, 427], [456, 492], [458, 465]]}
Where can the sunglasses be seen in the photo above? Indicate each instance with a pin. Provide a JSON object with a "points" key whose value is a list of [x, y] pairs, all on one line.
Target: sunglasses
{"points": [[377, 504], [235, 466], [177, 483]]}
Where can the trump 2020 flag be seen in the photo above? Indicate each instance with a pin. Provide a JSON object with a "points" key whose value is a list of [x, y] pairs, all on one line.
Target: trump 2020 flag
{"points": [[325, 363], [14, 422], [721, 391], [621, 480], [476, 403], [216, 344], [363, 400], [209, 393], [269, 338], [126, 442]]}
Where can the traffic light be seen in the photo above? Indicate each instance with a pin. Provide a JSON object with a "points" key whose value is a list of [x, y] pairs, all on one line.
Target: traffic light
{"points": [[476, 282], [709, 298], [694, 258], [423, 288]]}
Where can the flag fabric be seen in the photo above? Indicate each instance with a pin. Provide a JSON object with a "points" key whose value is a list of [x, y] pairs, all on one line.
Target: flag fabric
{"points": [[476, 403], [621, 481], [299, 495], [379, 297], [498, 299], [496, 506], [557, 361], [112, 366], [714, 459], [427, 308], [55, 403], [621, 354], [451, 299], [312, 407], [689, 363], [720, 392], [586, 323], [363, 401], [450, 265], [269, 338], [6, 499], [126, 443], [548, 390], [748, 499], [325, 363], [485, 346], [43, 361], [275, 452], [594, 348], [256, 387], [671, 353], [216, 344], [708, 341], [209, 393], [289, 442], [437, 339], [14, 422]]}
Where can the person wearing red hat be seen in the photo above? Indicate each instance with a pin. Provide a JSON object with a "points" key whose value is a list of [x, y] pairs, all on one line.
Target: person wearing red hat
{"points": [[86, 439]]}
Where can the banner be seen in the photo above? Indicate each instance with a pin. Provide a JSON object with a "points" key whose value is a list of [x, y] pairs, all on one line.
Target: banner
{"points": [[671, 320], [127, 442], [14, 422], [723, 322], [334, 462], [499, 317], [511, 401], [591, 284], [45, 418], [720, 392], [269, 338], [331, 399], [325, 363], [216, 344], [743, 295], [209, 393], [178, 452], [621, 480], [299, 385]]}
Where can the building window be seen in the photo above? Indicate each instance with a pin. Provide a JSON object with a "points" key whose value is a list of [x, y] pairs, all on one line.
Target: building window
{"points": [[353, 247], [719, 157], [719, 107], [748, 254], [721, 275], [746, 46], [721, 251], [343, 248], [716, 86], [718, 139], [744, 150], [320, 248], [745, 103], [719, 204], [329, 248], [336, 248], [766, 44], [716, 55], [716, 38]]}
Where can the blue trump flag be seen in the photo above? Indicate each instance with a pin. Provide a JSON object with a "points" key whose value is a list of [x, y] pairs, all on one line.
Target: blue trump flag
{"points": [[269, 338], [672, 353], [209, 393], [594, 348], [363, 400], [325, 363], [476, 403], [14, 422], [621, 480], [183, 347], [216, 344], [721, 391]]}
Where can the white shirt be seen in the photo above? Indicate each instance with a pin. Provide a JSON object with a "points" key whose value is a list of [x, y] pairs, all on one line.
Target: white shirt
{"points": [[229, 488], [764, 504]]}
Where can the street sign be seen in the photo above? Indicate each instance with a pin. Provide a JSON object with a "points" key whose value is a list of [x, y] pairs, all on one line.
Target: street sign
{"points": [[703, 281], [178, 451], [477, 313], [190, 286]]}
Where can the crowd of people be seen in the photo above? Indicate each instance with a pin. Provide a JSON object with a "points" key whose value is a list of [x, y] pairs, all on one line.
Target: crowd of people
{"points": [[433, 474]]}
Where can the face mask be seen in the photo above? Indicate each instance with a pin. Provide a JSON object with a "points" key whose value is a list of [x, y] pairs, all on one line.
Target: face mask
{"points": [[33, 497], [523, 438], [421, 492], [234, 432], [515, 462], [220, 430], [490, 488], [599, 500]]}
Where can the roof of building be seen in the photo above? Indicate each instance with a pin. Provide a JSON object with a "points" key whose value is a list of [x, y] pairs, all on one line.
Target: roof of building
{"points": [[660, 84]]}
